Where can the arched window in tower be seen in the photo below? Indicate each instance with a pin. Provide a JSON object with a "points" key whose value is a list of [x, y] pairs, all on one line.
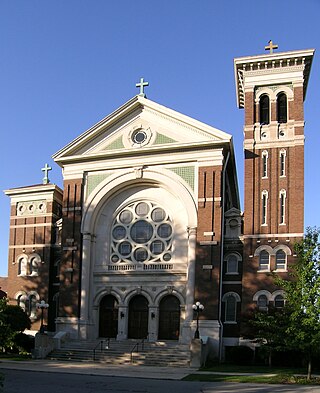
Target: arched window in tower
{"points": [[282, 116], [230, 301], [262, 303], [264, 260], [282, 207], [22, 301], [279, 301], [34, 263], [32, 303], [283, 154], [22, 266], [264, 106], [281, 260], [232, 264], [264, 206], [265, 164]]}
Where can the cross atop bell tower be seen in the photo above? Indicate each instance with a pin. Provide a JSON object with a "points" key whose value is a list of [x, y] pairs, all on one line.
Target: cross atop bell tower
{"points": [[271, 46]]}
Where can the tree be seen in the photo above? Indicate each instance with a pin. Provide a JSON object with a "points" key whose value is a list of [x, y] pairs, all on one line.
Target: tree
{"points": [[269, 329], [13, 321], [303, 297], [297, 325]]}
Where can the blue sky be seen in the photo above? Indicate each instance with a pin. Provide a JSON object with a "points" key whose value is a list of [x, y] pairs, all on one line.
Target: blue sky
{"points": [[64, 65]]}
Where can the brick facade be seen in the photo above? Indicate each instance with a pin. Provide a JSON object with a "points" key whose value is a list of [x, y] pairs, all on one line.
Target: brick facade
{"points": [[70, 270], [65, 246], [32, 243]]}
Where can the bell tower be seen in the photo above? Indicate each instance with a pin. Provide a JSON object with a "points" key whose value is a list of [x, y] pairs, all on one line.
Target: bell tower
{"points": [[271, 88]]}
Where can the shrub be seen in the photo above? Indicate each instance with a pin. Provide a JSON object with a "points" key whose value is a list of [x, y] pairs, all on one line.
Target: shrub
{"points": [[239, 355]]}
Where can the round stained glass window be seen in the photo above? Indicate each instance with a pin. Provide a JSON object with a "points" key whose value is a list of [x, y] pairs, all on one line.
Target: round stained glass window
{"points": [[165, 230], [126, 217], [125, 248], [157, 247], [142, 209], [119, 232], [141, 232], [167, 257], [158, 214], [141, 254], [114, 258]]}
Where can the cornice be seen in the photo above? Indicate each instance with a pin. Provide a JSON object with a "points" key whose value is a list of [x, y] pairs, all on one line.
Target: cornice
{"points": [[275, 63]]}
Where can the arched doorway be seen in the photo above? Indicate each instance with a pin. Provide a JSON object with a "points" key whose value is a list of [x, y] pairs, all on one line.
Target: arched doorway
{"points": [[108, 317], [138, 317], [169, 318]]}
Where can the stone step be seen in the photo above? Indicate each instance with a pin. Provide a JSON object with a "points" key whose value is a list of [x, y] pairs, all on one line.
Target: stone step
{"points": [[120, 352]]}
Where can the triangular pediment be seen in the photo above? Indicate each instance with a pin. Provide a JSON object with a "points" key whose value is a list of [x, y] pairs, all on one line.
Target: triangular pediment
{"points": [[140, 124]]}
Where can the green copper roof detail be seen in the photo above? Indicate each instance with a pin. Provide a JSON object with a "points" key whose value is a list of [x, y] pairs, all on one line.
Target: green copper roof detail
{"points": [[186, 173], [116, 144], [162, 139], [94, 180]]}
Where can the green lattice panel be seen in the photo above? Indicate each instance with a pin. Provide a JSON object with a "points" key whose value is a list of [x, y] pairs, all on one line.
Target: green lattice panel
{"points": [[94, 180], [162, 139], [186, 173], [116, 144]]}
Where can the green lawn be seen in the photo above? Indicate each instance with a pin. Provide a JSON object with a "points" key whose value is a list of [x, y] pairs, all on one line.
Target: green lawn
{"points": [[263, 378], [11, 356], [262, 374], [253, 369]]}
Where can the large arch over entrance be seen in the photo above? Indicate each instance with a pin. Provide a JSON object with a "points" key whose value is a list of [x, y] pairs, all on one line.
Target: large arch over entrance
{"points": [[100, 248], [169, 318], [108, 317], [138, 317]]}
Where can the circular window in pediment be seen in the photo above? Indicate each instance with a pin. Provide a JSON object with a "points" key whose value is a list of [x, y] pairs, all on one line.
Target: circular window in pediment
{"points": [[139, 136]]}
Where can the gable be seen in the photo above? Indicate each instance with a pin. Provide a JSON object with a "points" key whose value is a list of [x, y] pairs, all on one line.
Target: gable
{"points": [[140, 125]]}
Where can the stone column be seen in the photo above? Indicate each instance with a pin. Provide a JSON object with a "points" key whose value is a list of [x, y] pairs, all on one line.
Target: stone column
{"points": [[153, 323], [85, 284], [122, 323], [192, 242]]}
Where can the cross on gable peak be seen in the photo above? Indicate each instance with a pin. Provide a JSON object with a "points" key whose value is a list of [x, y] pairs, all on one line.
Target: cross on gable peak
{"points": [[271, 46], [142, 85]]}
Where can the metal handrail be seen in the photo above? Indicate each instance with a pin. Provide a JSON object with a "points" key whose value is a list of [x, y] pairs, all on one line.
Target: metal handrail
{"points": [[135, 348], [100, 344]]}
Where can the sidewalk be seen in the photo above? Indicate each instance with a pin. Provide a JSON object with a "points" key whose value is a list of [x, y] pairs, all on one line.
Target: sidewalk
{"points": [[134, 371]]}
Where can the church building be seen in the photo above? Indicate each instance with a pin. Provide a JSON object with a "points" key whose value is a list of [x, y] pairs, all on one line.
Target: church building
{"points": [[149, 220]]}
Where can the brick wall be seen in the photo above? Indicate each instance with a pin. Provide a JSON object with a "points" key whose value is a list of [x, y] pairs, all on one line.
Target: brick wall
{"points": [[70, 272], [209, 239]]}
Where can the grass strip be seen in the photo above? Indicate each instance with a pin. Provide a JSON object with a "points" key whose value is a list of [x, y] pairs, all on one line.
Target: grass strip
{"points": [[271, 379]]}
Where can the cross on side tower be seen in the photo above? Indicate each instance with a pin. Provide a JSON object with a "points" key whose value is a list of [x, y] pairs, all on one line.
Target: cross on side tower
{"points": [[46, 169], [271, 46], [142, 85]]}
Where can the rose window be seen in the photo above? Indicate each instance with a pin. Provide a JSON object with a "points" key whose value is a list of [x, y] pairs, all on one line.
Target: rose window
{"points": [[141, 232]]}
